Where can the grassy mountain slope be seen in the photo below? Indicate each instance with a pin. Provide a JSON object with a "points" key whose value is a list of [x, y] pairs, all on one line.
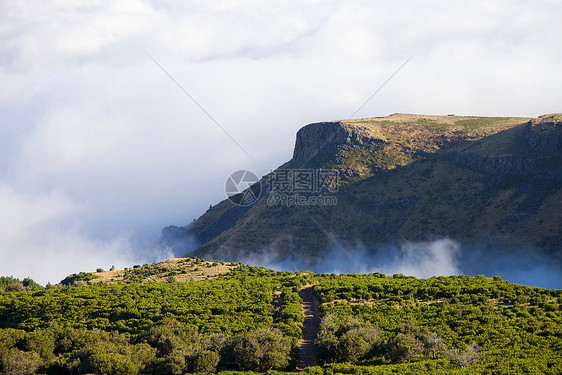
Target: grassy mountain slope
{"points": [[408, 177]]}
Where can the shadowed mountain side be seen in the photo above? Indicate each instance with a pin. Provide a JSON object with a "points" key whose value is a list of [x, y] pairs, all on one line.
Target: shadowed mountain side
{"points": [[407, 177]]}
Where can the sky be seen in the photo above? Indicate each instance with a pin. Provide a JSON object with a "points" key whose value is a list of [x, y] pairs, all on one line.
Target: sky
{"points": [[100, 149]]}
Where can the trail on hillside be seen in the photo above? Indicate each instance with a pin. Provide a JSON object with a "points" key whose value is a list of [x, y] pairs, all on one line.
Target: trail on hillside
{"points": [[310, 327]]}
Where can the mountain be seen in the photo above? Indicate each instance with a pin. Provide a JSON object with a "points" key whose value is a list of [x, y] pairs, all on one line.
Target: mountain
{"points": [[401, 177]]}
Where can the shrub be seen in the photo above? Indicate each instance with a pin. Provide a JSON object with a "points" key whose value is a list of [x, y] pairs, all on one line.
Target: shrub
{"points": [[432, 343], [31, 285], [403, 347], [11, 284], [78, 278], [469, 357], [205, 362], [348, 341], [261, 349], [105, 358], [410, 341], [15, 287], [19, 362], [41, 342], [173, 364], [169, 336]]}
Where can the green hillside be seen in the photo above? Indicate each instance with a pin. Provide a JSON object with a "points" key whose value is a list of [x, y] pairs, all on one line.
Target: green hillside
{"points": [[405, 177], [250, 319]]}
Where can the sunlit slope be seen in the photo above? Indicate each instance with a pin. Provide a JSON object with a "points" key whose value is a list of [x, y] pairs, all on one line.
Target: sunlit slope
{"points": [[175, 269]]}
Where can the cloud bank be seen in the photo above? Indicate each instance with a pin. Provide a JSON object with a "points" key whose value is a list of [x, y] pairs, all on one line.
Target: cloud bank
{"points": [[443, 257], [99, 149]]}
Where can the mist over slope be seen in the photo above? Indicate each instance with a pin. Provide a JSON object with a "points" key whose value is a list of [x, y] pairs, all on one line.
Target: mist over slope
{"points": [[444, 257], [406, 185]]}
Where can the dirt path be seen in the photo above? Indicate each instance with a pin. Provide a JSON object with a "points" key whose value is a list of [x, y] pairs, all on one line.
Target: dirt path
{"points": [[307, 352]]}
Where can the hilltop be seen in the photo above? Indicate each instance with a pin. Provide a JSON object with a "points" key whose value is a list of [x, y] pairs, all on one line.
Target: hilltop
{"points": [[174, 269], [403, 177]]}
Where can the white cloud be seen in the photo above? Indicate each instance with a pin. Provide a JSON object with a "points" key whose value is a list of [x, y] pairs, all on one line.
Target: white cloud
{"points": [[20, 213], [85, 113], [38, 240], [424, 259]]}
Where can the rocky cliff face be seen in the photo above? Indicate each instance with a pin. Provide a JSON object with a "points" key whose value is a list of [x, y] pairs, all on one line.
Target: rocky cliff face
{"points": [[313, 138], [502, 166], [541, 136], [544, 134]]}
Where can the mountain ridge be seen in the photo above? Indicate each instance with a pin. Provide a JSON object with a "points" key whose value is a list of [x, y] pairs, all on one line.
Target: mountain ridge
{"points": [[404, 177]]}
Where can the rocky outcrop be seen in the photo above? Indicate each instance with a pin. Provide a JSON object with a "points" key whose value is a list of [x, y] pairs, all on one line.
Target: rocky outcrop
{"points": [[313, 138], [504, 165], [544, 134]]}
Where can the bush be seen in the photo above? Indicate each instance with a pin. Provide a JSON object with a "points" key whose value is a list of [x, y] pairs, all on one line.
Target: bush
{"points": [[79, 278], [173, 364], [411, 341], [105, 358], [43, 343], [403, 347], [261, 349], [205, 362], [469, 357], [169, 336], [348, 341], [18, 362], [11, 284]]}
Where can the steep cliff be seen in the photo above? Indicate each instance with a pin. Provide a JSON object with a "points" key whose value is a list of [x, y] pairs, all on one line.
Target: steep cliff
{"points": [[544, 134], [314, 138]]}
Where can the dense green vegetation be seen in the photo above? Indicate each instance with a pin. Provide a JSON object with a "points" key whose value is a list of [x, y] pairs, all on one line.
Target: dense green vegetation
{"points": [[245, 320], [518, 328], [250, 320]]}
